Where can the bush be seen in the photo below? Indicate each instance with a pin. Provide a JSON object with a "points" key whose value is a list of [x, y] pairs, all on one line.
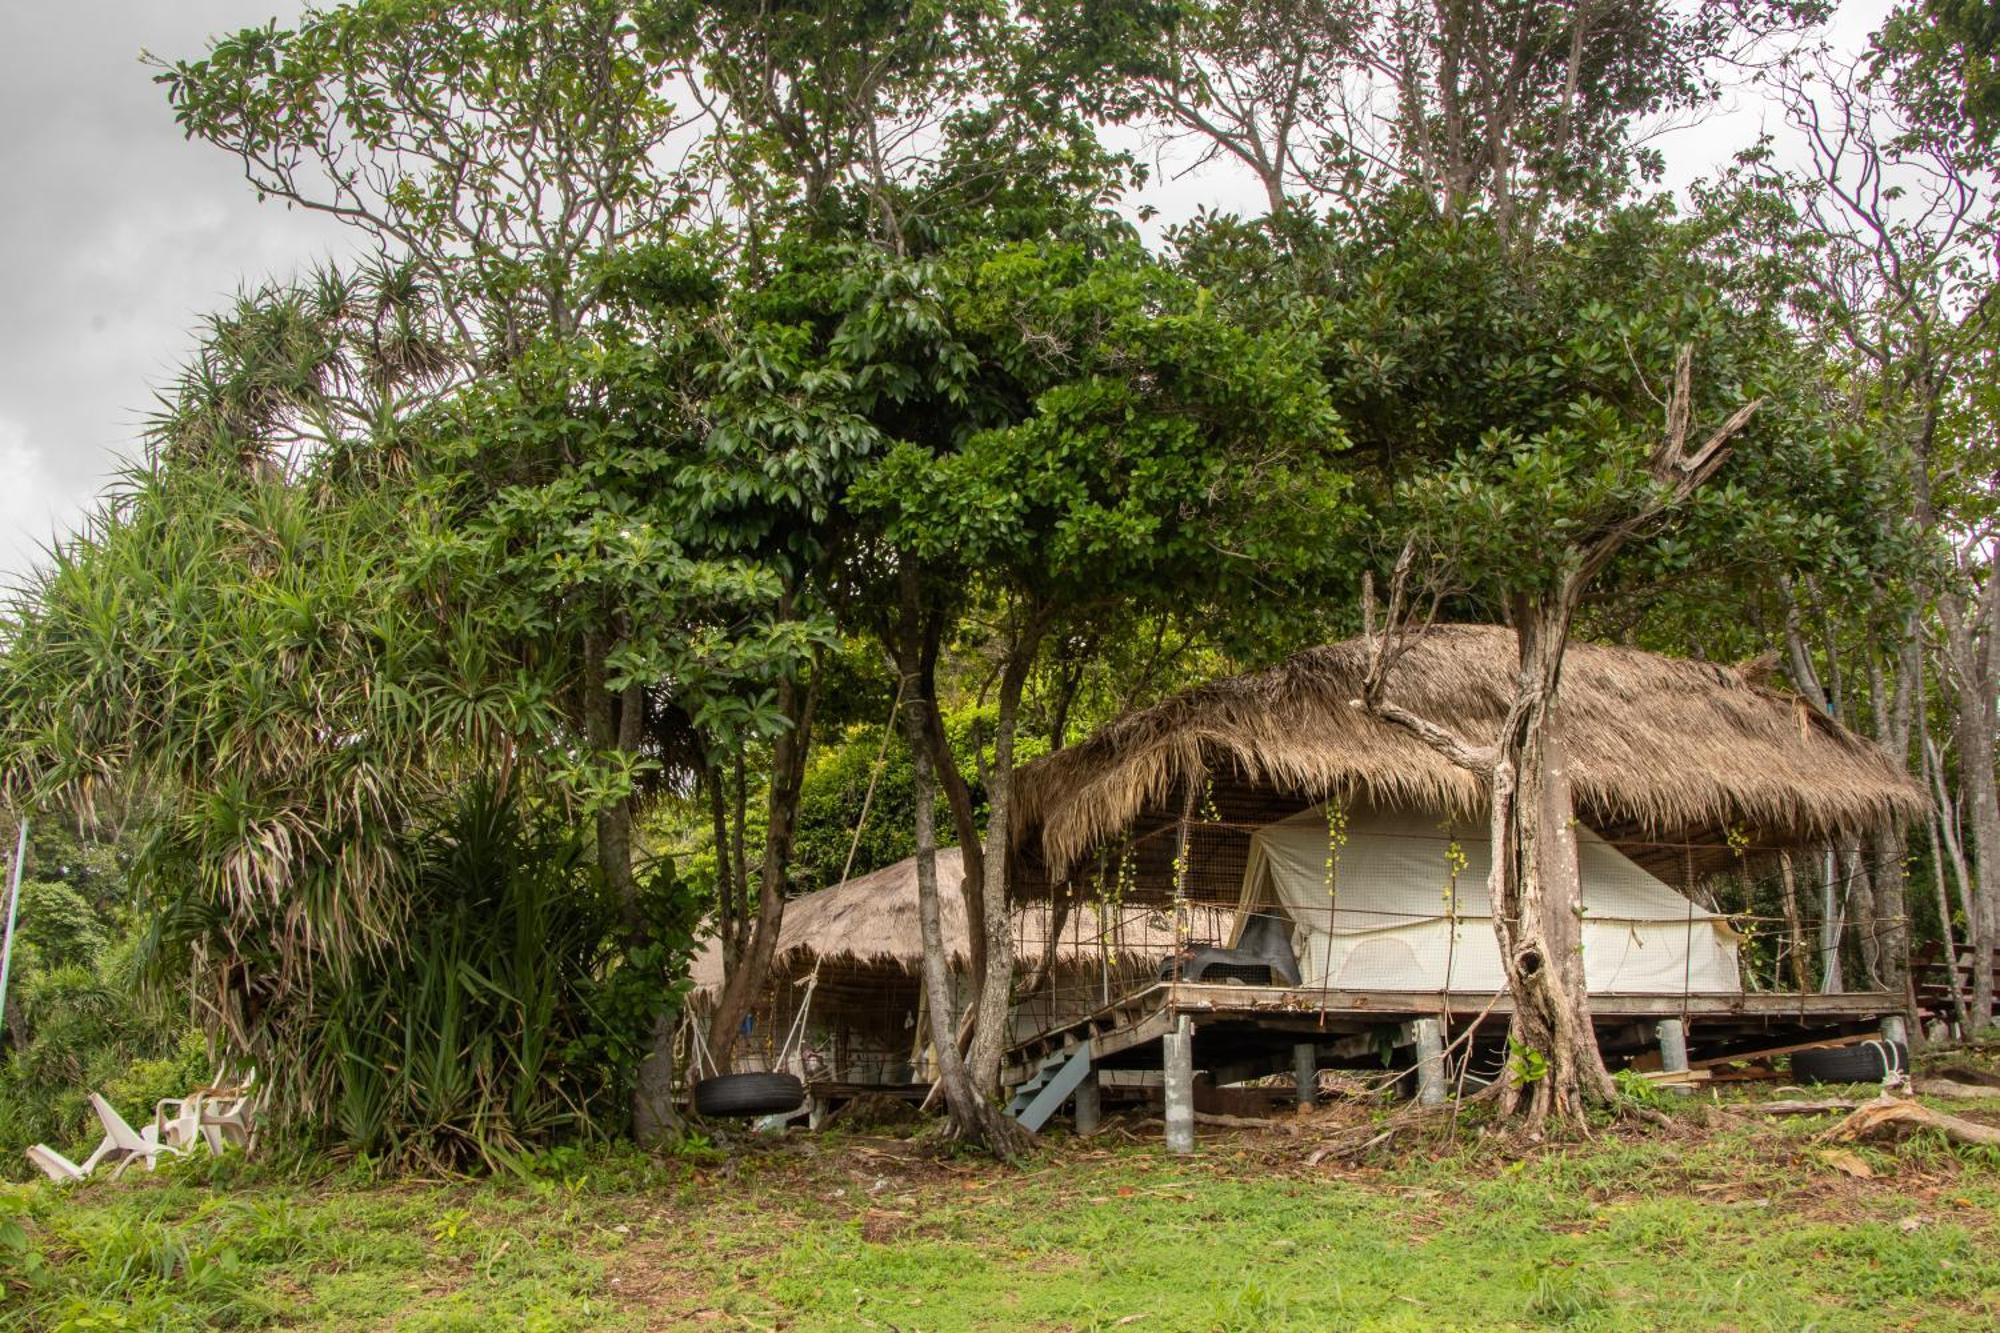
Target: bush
{"points": [[510, 1017]]}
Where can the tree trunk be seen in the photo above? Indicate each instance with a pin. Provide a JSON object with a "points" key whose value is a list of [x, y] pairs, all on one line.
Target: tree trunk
{"points": [[1895, 705], [1890, 876], [974, 1118], [1944, 824], [991, 1027], [739, 862], [1795, 929], [1535, 883], [788, 764], [617, 723], [1972, 686], [1860, 891], [958, 798], [725, 890], [1537, 890]]}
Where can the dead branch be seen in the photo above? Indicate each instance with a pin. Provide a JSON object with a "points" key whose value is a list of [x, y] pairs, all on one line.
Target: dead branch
{"points": [[1889, 1117]]}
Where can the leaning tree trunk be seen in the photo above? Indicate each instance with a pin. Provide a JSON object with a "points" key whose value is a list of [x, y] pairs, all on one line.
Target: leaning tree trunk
{"points": [[1536, 889]]}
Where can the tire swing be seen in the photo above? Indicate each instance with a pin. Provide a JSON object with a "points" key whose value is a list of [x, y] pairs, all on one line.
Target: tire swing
{"points": [[759, 1092], [765, 1093]]}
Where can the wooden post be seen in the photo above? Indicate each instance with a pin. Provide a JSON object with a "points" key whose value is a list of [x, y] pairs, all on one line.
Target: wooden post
{"points": [[1089, 1105], [1177, 1050], [1430, 1062], [1305, 1071], [1672, 1033]]}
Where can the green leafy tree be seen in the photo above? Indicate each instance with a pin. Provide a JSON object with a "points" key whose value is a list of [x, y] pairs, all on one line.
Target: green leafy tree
{"points": [[1068, 428], [493, 146], [1621, 380], [1526, 109], [1942, 61]]}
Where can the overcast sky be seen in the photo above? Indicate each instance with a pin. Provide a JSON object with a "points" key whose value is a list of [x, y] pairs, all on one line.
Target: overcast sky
{"points": [[117, 234]]}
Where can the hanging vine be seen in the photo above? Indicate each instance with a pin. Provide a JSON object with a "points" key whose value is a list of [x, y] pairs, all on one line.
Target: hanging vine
{"points": [[1336, 841], [1455, 862]]}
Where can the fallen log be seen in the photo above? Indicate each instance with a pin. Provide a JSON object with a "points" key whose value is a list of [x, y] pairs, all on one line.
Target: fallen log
{"points": [[1892, 1117]]}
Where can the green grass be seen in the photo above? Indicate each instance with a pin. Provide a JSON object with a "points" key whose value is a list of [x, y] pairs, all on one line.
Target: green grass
{"points": [[1735, 1223]]}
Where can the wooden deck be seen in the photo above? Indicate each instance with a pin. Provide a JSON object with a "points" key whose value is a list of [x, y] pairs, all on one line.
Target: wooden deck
{"points": [[1125, 1032]]}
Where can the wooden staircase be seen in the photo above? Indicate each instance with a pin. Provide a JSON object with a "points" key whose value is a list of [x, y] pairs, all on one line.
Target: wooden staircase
{"points": [[1051, 1084]]}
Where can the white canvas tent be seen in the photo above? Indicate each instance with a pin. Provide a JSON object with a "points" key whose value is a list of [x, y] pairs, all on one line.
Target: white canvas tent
{"points": [[1384, 923]]}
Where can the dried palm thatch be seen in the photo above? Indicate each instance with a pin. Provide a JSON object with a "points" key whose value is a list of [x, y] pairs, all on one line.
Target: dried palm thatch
{"points": [[1660, 744], [871, 920]]}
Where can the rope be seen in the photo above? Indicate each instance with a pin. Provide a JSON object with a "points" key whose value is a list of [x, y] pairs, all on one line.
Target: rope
{"points": [[703, 1059], [790, 1047], [874, 776]]}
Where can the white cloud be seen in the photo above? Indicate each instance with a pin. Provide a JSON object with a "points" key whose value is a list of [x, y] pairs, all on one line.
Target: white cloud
{"points": [[33, 506]]}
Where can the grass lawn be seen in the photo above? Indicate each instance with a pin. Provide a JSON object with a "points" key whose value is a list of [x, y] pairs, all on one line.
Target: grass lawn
{"points": [[1729, 1220]]}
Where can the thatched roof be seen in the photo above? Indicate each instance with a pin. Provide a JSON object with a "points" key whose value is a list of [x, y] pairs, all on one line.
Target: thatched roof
{"points": [[872, 920], [1656, 743]]}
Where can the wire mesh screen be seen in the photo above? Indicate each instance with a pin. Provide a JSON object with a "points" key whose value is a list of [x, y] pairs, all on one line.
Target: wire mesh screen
{"points": [[1338, 901], [1399, 901]]}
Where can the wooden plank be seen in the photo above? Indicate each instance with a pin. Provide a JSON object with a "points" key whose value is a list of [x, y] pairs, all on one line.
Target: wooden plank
{"points": [[1148, 1029], [1142, 1016], [1254, 1000], [1769, 1052]]}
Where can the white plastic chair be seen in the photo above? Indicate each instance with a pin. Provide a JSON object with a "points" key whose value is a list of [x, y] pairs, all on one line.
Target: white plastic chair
{"points": [[59, 1168], [231, 1113], [185, 1128], [129, 1144]]}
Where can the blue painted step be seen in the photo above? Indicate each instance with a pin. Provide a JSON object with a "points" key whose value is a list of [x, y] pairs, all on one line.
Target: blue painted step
{"points": [[1050, 1086]]}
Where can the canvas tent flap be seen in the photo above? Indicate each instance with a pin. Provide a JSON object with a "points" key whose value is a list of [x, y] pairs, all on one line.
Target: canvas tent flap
{"points": [[1390, 916]]}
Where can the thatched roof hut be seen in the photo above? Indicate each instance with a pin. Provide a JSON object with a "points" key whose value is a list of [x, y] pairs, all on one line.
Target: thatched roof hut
{"points": [[861, 944], [870, 922], [1660, 749]]}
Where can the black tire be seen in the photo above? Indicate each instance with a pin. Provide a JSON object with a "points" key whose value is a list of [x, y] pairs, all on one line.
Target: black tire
{"points": [[1864, 1062], [748, 1094]]}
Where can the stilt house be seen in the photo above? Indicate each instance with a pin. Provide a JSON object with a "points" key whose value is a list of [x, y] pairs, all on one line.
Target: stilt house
{"points": [[1326, 871]]}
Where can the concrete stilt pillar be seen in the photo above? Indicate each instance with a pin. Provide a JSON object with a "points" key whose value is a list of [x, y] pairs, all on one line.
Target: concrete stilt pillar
{"points": [[1672, 1033], [1178, 1052], [1430, 1061], [1305, 1072], [1089, 1104], [1894, 1028], [817, 1111]]}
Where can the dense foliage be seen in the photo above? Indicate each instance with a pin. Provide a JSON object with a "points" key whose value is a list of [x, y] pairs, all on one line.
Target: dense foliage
{"points": [[759, 430]]}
